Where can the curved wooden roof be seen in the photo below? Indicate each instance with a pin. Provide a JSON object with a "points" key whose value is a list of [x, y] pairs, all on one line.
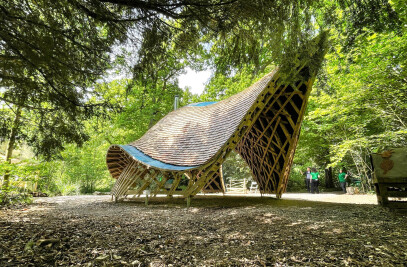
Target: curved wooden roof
{"points": [[192, 135], [261, 123]]}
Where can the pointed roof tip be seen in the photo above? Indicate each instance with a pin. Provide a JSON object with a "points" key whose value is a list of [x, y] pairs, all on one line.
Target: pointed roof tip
{"points": [[307, 60], [319, 47]]}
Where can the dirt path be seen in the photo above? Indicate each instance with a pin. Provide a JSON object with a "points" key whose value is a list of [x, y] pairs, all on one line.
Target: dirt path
{"points": [[236, 230], [334, 198]]}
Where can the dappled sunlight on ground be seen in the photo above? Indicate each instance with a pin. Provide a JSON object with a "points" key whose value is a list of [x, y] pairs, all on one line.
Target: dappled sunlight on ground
{"points": [[231, 230]]}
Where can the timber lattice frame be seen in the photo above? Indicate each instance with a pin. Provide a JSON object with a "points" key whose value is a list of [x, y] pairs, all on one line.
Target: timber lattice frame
{"points": [[266, 139], [188, 146]]}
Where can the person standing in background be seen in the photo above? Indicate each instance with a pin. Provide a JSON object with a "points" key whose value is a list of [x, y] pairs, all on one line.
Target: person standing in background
{"points": [[307, 179], [342, 180], [314, 181]]}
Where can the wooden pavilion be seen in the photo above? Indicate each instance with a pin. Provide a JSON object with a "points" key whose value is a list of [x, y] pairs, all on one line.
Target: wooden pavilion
{"points": [[262, 123]]}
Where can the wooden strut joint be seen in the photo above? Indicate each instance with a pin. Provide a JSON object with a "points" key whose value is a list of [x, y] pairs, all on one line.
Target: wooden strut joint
{"points": [[214, 170], [275, 116], [202, 180], [150, 178], [175, 184], [270, 139], [160, 185], [213, 180], [131, 178], [276, 162]]}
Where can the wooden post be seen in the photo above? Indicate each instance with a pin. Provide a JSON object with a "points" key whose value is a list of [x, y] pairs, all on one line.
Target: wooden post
{"points": [[146, 200], [188, 202]]}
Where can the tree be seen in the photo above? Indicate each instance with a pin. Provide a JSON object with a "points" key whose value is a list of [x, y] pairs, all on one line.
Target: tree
{"points": [[317, 147], [52, 52], [359, 106]]}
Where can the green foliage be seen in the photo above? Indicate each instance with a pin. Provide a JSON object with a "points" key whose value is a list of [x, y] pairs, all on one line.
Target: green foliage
{"points": [[358, 106], [85, 167], [222, 86], [235, 168], [24, 175], [296, 182], [53, 52]]}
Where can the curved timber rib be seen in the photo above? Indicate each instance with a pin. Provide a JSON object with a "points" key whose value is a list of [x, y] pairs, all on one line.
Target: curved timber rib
{"points": [[185, 149]]}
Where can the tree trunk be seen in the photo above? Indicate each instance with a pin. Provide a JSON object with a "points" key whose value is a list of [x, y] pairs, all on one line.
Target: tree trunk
{"points": [[329, 182], [10, 147]]}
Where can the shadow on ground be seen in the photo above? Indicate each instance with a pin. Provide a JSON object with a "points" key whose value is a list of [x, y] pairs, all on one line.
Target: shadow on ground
{"points": [[226, 202], [215, 230]]}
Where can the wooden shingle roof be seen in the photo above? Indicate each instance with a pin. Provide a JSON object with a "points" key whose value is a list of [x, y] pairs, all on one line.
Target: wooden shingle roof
{"points": [[192, 135]]}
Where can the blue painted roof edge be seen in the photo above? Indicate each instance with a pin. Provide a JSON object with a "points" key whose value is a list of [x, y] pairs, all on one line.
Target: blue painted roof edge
{"points": [[140, 156], [201, 104]]}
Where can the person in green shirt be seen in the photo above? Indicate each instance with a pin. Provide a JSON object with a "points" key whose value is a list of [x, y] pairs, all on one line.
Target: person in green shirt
{"points": [[314, 181], [342, 180]]}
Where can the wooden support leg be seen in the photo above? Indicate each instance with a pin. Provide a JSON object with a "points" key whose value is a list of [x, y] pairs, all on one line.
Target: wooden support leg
{"points": [[378, 194], [384, 195], [146, 200], [188, 201]]}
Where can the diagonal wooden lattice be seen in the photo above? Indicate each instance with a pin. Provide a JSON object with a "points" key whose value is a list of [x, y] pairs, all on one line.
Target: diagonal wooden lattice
{"points": [[216, 184], [268, 146]]}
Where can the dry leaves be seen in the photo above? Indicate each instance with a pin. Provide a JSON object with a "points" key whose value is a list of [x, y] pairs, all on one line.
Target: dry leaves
{"points": [[91, 231]]}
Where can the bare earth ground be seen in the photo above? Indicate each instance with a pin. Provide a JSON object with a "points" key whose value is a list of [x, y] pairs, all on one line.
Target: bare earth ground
{"points": [[300, 229]]}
